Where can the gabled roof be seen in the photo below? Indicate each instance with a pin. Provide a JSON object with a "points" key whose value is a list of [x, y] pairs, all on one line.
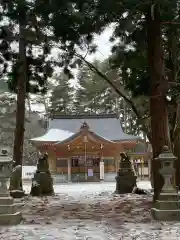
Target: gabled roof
{"points": [[107, 126], [85, 132], [53, 135]]}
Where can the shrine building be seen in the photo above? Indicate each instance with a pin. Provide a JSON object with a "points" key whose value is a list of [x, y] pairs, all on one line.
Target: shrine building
{"points": [[84, 147]]}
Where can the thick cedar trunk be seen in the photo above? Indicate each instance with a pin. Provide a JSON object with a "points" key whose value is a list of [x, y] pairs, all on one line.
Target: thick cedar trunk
{"points": [[21, 96], [176, 146], [158, 104], [176, 152], [174, 105], [171, 73]]}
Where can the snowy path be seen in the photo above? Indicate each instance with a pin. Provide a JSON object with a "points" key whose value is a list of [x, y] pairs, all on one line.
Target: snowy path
{"points": [[79, 189], [89, 212]]}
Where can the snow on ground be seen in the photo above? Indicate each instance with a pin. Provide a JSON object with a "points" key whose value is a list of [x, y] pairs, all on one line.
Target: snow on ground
{"points": [[89, 212], [78, 189]]}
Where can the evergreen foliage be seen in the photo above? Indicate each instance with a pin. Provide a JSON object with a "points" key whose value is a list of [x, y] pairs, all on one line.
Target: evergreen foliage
{"points": [[92, 95], [61, 96], [36, 45]]}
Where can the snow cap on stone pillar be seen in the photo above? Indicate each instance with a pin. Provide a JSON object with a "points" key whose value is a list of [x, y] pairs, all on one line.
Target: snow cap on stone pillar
{"points": [[166, 155]]}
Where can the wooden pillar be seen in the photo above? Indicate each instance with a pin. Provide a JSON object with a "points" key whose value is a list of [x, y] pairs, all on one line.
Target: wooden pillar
{"points": [[52, 161], [69, 169], [101, 169], [133, 165], [143, 167], [149, 168], [117, 162]]}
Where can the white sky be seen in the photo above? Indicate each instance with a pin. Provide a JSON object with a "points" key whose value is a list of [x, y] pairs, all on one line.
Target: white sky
{"points": [[104, 46]]}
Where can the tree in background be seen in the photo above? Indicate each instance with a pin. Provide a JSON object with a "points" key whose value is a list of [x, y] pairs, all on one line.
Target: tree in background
{"points": [[61, 95], [94, 95], [91, 94]]}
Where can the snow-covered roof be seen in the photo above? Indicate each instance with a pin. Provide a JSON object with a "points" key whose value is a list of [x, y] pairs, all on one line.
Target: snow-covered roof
{"points": [[107, 126], [76, 135], [66, 128], [53, 135]]}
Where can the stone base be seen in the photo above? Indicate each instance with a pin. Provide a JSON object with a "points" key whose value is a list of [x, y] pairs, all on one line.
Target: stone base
{"points": [[6, 200], [7, 209], [165, 215], [43, 186], [172, 196], [125, 184], [8, 214], [167, 205], [10, 219]]}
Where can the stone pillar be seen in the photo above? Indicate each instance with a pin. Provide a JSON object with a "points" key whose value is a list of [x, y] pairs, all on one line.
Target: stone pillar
{"points": [[69, 169], [101, 166], [167, 206]]}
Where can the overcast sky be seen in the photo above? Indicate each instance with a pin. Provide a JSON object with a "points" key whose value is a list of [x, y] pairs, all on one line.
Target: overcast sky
{"points": [[104, 47]]}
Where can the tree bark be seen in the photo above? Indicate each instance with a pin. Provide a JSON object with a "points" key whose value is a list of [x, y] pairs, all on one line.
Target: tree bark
{"points": [[176, 146], [21, 98], [158, 90], [174, 106]]}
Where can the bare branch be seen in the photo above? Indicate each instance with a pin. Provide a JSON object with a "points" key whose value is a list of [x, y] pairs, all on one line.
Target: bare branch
{"points": [[119, 93], [112, 84], [171, 23]]}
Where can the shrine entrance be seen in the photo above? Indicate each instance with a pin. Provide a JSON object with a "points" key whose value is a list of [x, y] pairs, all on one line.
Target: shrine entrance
{"points": [[85, 167], [86, 156]]}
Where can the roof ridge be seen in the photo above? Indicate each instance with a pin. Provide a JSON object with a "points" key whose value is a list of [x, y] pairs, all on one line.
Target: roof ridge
{"points": [[81, 116]]}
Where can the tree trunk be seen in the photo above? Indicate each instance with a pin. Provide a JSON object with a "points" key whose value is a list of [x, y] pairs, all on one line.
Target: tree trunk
{"points": [[176, 146], [158, 90], [21, 98], [174, 106]]}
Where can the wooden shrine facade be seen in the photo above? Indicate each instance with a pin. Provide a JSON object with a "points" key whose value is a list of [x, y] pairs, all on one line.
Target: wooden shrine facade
{"points": [[84, 155]]}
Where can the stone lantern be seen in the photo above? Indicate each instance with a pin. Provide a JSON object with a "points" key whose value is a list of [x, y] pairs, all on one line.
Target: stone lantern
{"points": [[8, 214], [167, 206], [5, 172]]}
